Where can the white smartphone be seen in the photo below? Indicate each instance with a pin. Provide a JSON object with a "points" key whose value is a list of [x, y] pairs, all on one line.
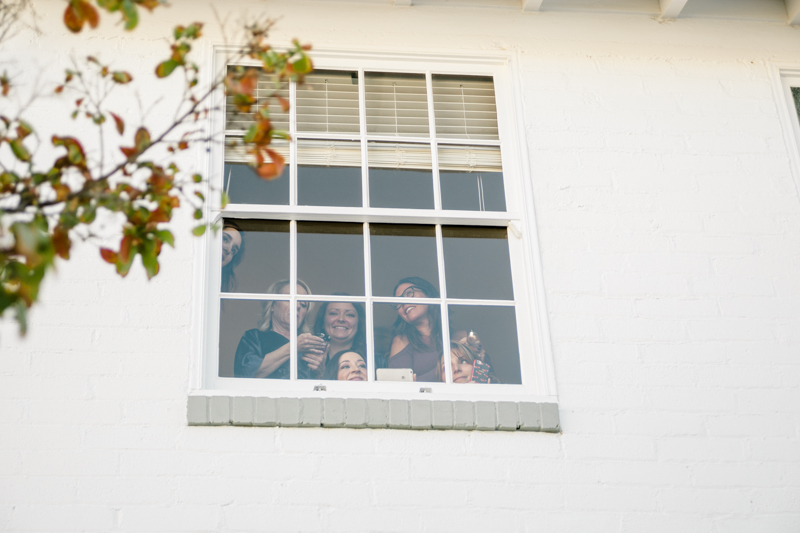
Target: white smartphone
{"points": [[395, 374]]}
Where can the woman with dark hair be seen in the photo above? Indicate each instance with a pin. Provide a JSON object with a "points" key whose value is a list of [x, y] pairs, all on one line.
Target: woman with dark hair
{"points": [[232, 254], [347, 365], [417, 335], [264, 352], [344, 324]]}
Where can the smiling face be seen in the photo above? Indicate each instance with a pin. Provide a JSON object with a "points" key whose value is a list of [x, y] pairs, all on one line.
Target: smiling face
{"points": [[341, 322], [281, 310], [352, 367], [231, 242], [413, 312], [462, 368]]}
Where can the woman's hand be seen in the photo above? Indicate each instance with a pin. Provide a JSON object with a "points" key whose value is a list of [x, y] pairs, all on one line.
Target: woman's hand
{"points": [[312, 350]]}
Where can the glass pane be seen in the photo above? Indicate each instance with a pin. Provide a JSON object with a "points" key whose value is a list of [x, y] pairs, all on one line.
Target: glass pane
{"points": [[464, 107], [490, 334], [796, 97], [255, 255], [408, 339], [401, 251], [397, 104], [328, 102], [238, 120], [329, 173], [253, 339], [471, 178], [335, 347], [476, 262], [330, 257], [400, 175], [242, 183]]}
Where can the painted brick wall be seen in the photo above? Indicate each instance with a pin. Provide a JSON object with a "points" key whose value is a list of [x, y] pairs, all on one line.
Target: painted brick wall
{"points": [[669, 225]]}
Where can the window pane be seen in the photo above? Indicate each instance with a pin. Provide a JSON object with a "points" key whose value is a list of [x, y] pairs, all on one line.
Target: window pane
{"points": [[241, 121], [490, 332], [335, 329], [328, 102], [255, 255], [330, 257], [249, 345], [397, 104], [400, 251], [329, 173], [796, 97], [399, 344], [476, 262], [464, 107], [242, 183], [400, 175], [471, 178]]}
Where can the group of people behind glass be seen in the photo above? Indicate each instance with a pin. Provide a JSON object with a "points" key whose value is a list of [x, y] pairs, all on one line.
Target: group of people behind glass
{"points": [[334, 348]]}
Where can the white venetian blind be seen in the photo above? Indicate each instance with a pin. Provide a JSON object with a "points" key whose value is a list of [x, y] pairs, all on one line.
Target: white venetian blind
{"points": [[399, 155], [470, 158], [464, 107], [328, 153], [397, 104], [328, 102], [236, 120]]}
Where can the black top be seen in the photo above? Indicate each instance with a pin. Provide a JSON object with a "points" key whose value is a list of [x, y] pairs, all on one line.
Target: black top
{"points": [[253, 346]]}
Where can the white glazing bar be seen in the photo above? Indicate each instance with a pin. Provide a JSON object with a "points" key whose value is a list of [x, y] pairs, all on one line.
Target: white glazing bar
{"points": [[362, 126], [437, 190], [293, 144], [250, 296], [293, 301], [368, 311], [448, 371]]}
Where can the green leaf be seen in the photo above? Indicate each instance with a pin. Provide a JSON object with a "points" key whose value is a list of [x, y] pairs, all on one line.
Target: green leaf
{"points": [[19, 150], [198, 214], [197, 178], [165, 69], [302, 65], [130, 14], [142, 139], [199, 230], [121, 77], [166, 236], [225, 199]]}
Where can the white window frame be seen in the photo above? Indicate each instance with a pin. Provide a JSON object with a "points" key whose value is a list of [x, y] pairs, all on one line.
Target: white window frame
{"points": [[785, 76], [533, 332]]}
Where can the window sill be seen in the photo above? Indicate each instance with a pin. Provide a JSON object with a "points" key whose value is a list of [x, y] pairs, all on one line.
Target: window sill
{"points": [[214, 410]]}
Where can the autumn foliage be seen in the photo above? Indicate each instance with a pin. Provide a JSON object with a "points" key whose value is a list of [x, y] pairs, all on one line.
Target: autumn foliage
{"points": [[44, 210]]}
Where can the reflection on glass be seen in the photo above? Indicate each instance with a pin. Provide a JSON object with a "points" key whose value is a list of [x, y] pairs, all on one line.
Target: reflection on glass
{"points": [[329, 173], [245, 186], [328, 102], [399, 251], [477, 264], [408, 334], [471, 178], [400, 175], [796, 97], [254, 335], [330, 257], [490, 333], [239, 120], [338, 328], [261, 258], [397, 104], [464, 107]]}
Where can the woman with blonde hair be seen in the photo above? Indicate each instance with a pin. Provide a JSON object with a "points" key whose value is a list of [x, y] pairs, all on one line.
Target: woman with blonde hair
{"points": [[462, 361], [264, 352]]}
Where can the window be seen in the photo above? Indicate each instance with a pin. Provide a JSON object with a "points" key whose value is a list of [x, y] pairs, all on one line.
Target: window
{"points": [[391, 257]]}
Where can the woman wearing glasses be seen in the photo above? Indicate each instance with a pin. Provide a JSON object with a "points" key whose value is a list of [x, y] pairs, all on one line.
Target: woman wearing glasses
{"points": [[417, 341]]}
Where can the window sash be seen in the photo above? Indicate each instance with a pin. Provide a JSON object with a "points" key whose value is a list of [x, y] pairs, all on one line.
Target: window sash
{"points": [[511, 217]]}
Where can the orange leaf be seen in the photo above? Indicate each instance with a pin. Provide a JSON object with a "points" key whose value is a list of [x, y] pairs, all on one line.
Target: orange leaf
{"points": [[109, 256], [61, 242], [120, 124], [272, 170], [125, 248]]}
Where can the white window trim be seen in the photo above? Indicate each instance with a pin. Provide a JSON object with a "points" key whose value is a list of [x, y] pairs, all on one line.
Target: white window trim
{"points": [[784, 76], [536, 361]]}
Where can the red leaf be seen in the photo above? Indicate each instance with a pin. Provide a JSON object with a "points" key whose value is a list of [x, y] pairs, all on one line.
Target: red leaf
{"points": [[109, 256], [125, 248], [120, 124]]}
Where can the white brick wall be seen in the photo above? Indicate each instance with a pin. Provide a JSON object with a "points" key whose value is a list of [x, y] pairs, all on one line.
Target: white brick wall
{"points": [[668, 222]]}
